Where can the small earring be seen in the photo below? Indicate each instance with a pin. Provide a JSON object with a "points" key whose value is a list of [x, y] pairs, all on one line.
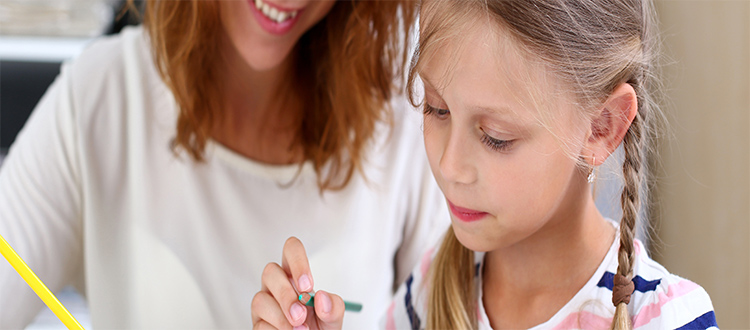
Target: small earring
{"points": [[592, 175]]}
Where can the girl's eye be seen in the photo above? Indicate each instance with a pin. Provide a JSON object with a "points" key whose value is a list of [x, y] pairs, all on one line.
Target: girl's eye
{"points": [[496, 144], [440, 113]]}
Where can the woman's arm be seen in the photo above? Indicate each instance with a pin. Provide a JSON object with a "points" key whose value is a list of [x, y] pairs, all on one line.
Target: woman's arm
{"points": [[40, 201]]}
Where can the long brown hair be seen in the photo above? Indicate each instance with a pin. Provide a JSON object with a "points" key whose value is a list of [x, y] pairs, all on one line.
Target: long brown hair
{"points": [[350, 65], [593, 46]]}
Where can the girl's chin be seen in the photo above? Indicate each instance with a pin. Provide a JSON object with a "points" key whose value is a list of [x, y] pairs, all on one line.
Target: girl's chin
{"points": [[474, 242]]}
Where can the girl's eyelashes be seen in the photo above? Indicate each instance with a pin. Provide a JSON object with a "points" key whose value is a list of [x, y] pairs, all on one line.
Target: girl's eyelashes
{"points": [[493, 143], [496, 144], [437, 112]]}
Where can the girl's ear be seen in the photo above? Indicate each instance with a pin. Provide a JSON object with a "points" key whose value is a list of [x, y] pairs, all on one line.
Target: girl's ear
{"points": [[611, 122]]}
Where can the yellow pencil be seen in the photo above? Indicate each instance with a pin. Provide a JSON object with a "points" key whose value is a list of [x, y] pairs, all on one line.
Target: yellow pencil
{"points": [[36, 284]]}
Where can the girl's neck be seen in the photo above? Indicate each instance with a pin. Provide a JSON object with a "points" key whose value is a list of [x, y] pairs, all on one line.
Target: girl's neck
{"points": [[526, 284], [260, 110]]}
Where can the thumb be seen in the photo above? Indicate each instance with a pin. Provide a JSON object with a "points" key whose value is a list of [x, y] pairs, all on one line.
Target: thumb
{"points": [[329, 309]]}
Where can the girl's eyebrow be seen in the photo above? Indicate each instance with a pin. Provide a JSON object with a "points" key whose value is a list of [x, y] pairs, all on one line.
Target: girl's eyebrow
{"points": [[500, 111], [502, 115], [504, 111]]}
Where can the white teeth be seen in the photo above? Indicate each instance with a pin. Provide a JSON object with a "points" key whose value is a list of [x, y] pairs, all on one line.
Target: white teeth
{"points": [[274, 14], [282, 17]]}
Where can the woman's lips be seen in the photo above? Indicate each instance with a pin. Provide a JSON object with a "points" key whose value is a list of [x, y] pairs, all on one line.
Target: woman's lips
{"points": [[465, 214], [271, 26]]}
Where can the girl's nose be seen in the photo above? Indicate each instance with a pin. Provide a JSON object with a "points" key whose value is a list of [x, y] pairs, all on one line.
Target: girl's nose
{"points": [[456, 164]]}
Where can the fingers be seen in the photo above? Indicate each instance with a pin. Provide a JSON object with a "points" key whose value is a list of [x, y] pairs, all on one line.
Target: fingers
{"points": [[294, 261], [329, 308], [276, 282], [277, 305], [262, 325], [267, 313]]}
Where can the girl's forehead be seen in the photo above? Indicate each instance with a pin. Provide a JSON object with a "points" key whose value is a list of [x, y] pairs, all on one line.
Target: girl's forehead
{"points": [[476, 65], [452, 32], [483, 62]]}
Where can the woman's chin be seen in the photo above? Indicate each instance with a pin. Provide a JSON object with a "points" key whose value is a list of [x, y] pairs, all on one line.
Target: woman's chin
{"points": [[265, 64], [263, 59]]}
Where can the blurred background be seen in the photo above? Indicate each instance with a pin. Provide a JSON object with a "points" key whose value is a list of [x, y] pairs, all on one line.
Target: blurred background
{"points": [[702, 199], [700, 214]]}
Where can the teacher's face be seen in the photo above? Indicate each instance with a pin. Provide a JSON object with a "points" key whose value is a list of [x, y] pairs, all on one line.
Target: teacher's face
{"points": [[264, 31]]}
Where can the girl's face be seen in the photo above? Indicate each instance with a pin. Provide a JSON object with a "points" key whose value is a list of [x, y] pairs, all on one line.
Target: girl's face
{"points": [[506, 177], [265, 31]]}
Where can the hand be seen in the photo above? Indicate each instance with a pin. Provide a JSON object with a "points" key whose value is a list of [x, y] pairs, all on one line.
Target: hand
{"points": [[276, 305]]}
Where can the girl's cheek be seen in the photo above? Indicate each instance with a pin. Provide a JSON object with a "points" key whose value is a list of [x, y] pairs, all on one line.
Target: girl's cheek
{"points": [[434, 143]]}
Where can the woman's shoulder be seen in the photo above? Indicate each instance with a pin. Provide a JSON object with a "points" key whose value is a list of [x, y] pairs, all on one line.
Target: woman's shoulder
{"points": [[111, 56], [114, 74], [113, 70], [664, 300], [397, 148], [402, 124], [112, 91]]}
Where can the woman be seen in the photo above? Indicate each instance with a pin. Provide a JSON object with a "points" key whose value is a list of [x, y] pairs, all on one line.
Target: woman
{"points": [[165, 166]]}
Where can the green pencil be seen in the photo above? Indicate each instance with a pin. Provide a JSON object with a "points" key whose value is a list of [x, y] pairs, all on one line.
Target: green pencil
{"points": [[308, 299]]}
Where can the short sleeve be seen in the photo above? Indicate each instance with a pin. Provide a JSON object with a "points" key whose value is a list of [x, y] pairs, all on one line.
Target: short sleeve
{"points": [[676, 303]]}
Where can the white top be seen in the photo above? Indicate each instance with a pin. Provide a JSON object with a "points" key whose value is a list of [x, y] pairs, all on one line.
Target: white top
{"points": [[91, 194], [660, 301]]}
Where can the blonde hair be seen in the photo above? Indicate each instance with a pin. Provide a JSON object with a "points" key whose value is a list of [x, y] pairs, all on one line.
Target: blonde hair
{"points": [[591, 45], [346, 68]]}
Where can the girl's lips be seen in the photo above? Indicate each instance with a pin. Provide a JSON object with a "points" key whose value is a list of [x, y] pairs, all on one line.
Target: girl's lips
{"points": [[271, 26], [465, 214]]}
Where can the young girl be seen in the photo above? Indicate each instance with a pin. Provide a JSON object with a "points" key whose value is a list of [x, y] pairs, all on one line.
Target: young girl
{"points": [[522, 101]]}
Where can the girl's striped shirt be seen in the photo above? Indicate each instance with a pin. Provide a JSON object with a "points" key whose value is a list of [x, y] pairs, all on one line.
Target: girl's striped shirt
{"points": [[660, 301]]}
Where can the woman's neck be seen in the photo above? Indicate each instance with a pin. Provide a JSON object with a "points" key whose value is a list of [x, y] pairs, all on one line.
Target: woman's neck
{"points": [[260, 111], [526, 284]]}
